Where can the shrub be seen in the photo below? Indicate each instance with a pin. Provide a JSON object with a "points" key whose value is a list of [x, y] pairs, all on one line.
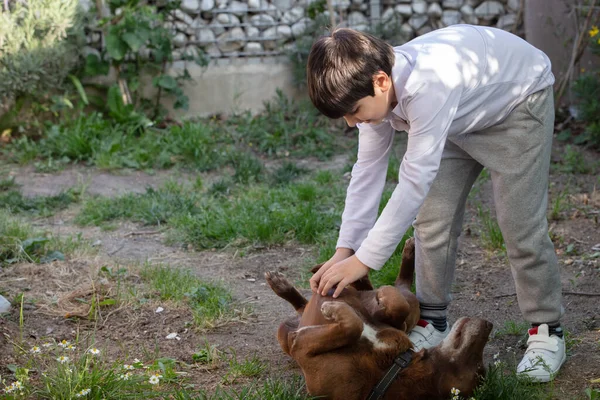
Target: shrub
{"points": [[38, 47]]}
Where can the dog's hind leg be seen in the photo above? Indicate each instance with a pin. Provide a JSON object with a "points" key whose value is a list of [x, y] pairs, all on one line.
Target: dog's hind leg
{"points": [[284, 289], [407, 268], [284, 330], [311, 340]]}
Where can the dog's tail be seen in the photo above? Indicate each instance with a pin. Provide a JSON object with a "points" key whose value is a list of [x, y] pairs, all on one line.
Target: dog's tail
{"points": [[407, 269]]}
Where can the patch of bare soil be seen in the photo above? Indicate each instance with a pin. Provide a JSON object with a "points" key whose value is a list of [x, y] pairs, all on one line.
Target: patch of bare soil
{"points": [[483, 287]]}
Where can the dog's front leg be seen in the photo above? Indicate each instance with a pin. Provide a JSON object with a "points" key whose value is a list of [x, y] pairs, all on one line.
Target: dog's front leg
{"points": [[346, 329], [284, 289]]}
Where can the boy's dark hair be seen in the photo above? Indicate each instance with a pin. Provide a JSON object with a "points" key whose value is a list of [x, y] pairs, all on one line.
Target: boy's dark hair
{"points": [[340, 69]]}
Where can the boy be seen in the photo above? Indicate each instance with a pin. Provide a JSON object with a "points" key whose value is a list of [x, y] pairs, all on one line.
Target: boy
{"points": [[469, 97]]}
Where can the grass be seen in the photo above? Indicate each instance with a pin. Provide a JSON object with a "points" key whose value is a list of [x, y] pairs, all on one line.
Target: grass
{"points": [[211, 304], [227, 214], [43, 206], [491, 236], [560, 203], [286, 128], [19, 242], [503, 383], [55, 369], [513, 328]]}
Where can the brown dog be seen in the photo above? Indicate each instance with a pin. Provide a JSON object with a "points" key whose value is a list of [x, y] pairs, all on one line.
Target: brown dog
{"points": [[344, 346]]}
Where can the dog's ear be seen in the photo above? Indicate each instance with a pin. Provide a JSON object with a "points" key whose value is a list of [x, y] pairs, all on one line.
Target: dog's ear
{"points": [[316, 268]]}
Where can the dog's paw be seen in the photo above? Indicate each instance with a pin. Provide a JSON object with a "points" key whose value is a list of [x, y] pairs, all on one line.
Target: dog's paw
{"points": [[278, 282], [409, 248], [330, 308]]}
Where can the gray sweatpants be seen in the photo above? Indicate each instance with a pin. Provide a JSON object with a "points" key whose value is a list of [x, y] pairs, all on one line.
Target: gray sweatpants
{"points": [[517, 154]]}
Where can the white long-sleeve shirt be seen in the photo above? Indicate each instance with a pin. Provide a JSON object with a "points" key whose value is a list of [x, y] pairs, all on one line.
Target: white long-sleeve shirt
{"points": [[448, 82]]}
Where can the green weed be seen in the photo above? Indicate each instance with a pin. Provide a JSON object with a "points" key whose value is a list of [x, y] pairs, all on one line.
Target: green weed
{"points": [[252, 367], [19, 242], [503, 383], [44, 206], [210, 303], [513, 328], [490, 230]]}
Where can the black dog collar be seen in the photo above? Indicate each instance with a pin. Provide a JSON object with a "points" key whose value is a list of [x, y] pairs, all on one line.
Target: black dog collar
{"points": [[400, 362]]}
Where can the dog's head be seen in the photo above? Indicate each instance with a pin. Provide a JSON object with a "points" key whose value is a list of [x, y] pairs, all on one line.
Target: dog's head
{"points": [[458, 361]]}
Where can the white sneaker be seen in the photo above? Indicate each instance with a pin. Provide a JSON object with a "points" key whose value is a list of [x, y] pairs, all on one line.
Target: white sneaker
{"points": [[544, 356], [425, 336]]}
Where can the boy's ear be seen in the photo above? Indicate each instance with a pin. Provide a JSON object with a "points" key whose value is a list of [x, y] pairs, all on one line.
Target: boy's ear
{"points": [[382, 81]]}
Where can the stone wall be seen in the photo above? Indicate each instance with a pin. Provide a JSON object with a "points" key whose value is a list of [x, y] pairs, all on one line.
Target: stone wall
{"points": [[240, 28]]}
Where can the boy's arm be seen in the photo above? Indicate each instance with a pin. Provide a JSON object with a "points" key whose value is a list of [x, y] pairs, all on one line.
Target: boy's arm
{"points": [[366, 184], [430, 109]]}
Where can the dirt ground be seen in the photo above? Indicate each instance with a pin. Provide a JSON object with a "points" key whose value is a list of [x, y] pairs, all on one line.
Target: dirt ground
{"points": [[483, 287]]}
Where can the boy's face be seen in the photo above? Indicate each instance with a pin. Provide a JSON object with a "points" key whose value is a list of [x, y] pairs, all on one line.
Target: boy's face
{"points": [[373, 109]]}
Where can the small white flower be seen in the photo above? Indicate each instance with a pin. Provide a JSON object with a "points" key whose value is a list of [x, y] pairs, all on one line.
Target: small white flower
{"points": [[135, 360], [63, 359], [125, 376], [83, 392], [64, 343], [496, 356], [13, 387], [455, 391], [154, 379], [94, 351], [35, 350], [71, 347], [128, 366], [47, 344]]}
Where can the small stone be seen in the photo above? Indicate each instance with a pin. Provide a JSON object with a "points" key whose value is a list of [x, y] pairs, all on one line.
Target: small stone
{"points": [[251, 280], [252, 32], [489, 10], [253, 47], [254, 4], [453, 4], [404, 9], [205, 36], [180, 40], [514, 5], [299, 27], [238, 8], [507, 22], [190, 6], [172, 336], [4, 305], [207, 5], [217, 27], [292, 16], [232, 40], [468, 14], [435, 10], [451, 17], [228, 19], [159, 310], [262, 21], [417, 21], [181, 16], [283, 5], [419, 6], [284, 31]]}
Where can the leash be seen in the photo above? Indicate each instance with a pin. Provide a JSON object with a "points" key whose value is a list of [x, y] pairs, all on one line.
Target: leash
{"points": [[400, 362]]}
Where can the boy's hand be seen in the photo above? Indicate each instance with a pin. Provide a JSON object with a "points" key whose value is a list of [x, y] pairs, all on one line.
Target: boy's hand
{"points": [[342, 274], [341, 253]]}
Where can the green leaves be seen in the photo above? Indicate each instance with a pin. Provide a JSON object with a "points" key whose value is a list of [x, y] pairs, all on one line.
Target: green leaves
{"points": [[115, 45]]}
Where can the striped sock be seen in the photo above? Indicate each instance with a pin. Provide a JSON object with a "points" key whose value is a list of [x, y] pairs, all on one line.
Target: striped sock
{"points": [[435, 315], [439, 323]]}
